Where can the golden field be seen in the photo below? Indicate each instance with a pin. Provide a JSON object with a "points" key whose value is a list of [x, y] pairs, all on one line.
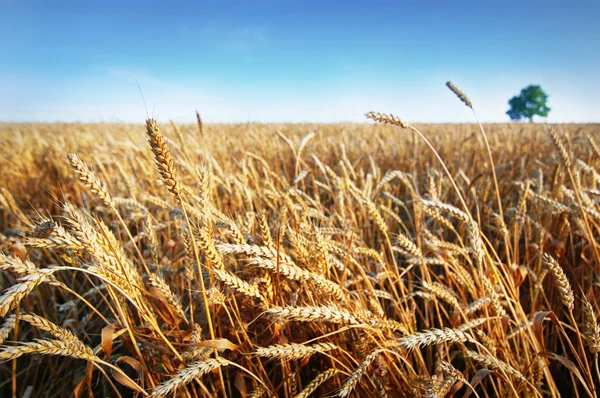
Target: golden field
{"points": [[299, 260]]}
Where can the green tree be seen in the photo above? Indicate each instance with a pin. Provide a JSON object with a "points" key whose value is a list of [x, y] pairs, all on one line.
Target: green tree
{"points": [[530, 102]]}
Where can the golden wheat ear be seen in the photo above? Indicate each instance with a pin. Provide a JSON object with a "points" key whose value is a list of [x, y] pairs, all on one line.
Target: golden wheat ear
{"points": [[163, 159], [89, 179], [462, 96]]}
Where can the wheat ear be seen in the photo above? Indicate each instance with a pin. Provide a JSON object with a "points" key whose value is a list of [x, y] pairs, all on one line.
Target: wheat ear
{"points": [[294, 351], [316, 382], [89, 179], [435, 336], [14, 294], [186, 375], [358, 373], [312, 314], [163, 159], [461, 95], [49, 347], [561, 280]]}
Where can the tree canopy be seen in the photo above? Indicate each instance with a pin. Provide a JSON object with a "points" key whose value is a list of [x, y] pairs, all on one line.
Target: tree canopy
{"points": [[530, 102]]}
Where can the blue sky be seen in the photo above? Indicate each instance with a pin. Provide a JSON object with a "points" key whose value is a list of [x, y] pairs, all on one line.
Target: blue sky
{"points": [[272, 61]]}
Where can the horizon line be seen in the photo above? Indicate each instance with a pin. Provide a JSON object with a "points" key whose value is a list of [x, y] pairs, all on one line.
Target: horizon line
{"points": [[366, 122]]}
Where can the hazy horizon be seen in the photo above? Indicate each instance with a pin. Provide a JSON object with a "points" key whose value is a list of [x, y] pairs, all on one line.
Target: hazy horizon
{"points": [[312, 62]]}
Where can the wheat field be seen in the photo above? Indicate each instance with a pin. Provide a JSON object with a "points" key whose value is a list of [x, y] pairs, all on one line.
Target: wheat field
{"points": [[374, 260]]}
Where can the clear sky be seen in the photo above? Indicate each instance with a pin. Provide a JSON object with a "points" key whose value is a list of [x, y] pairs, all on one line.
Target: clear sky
{"points": [[271, 61]]}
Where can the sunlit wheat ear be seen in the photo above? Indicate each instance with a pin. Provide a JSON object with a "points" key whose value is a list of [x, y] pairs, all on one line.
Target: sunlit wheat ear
{"points": [[385, 324], [312, 314], [564, 154], [450, 370], [14, 294], [163, 159], [435, 336], [150, 238], [358, 373], [7, 328], [294, 351], [494, 296], [453, 211], [593, 145], [443, 293], [316, 382], [49, 347], [561, 281], [407, 244], [299, 274], [215, 296], [207, 243], [89, 179], [537, 372], [24, 267], [440, 388], [59, 238], [187, 375], [474, 235], [476, 305], [57, 331], [487, 342], [387, 119], [259, 392], [267, 251], [235, 233], [236, 283], [165, 291], [462, 96], [494, 363], [15, 264], [591, 328], [104, 247]]}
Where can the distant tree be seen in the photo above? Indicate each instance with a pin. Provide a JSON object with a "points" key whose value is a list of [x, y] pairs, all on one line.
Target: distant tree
{"points": [[530, 102]]}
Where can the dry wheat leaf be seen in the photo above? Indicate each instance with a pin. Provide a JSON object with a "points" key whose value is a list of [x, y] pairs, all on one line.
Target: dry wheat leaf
{"points": [[219, 344], [108, 333]]}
